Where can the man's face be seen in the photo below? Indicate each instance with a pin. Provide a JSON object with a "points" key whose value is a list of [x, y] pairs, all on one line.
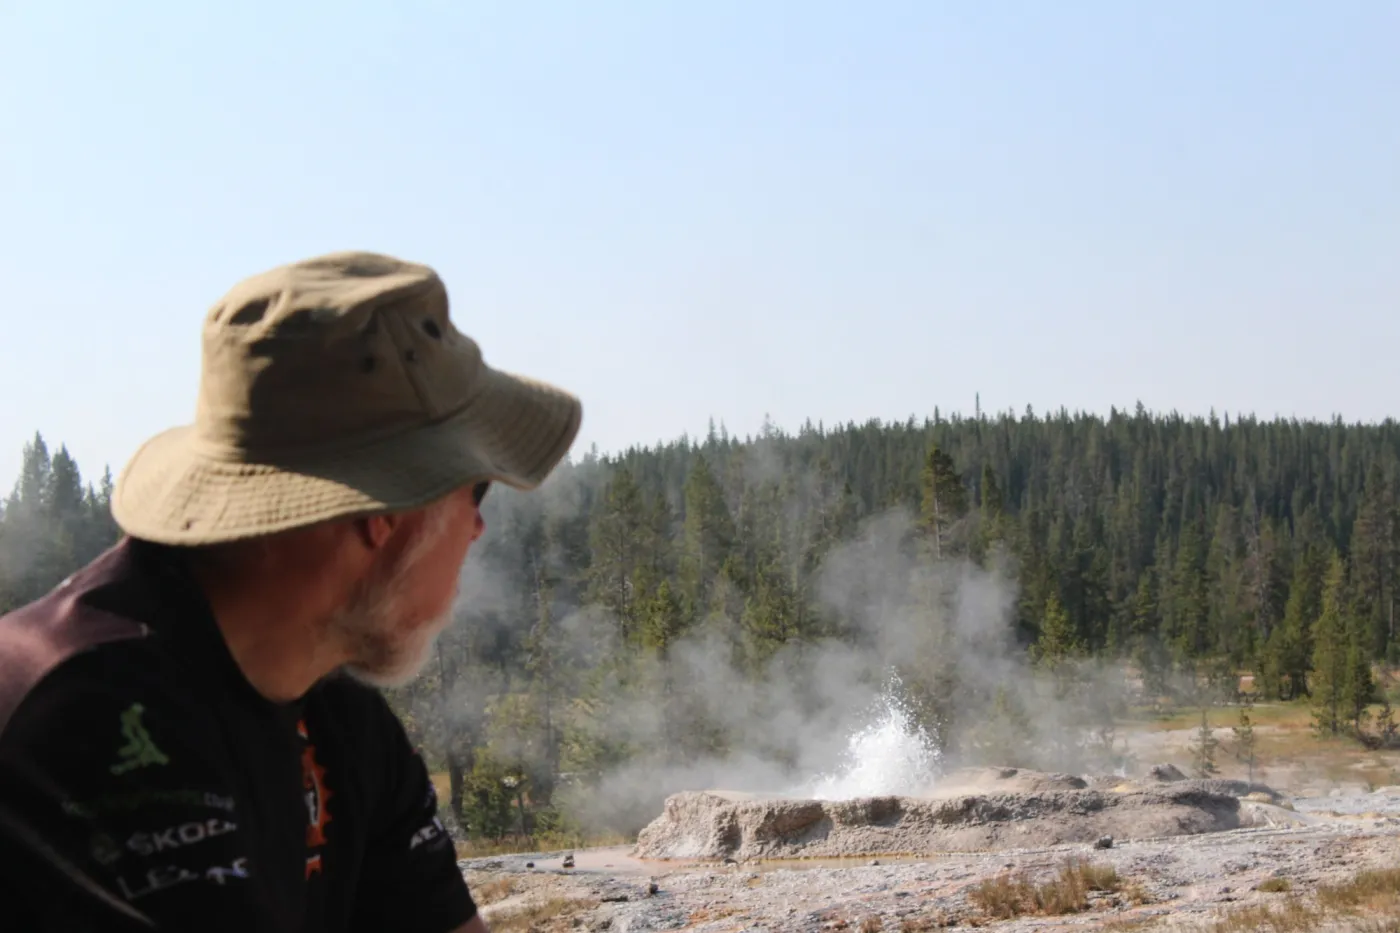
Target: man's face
{"points": [[406, 601]]}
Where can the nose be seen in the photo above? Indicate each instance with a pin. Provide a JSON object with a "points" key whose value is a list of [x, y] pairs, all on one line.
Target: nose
{"points": [[478, 526]]}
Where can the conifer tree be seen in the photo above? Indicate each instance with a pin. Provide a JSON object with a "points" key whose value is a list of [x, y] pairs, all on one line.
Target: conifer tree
{"points": [[707, 534], [991, 515], [544, 663], [1190, 612], [1203, 750], [1328, 684], [1245, 741], [661, 627], [33, 486], [992, 502], [1359, 687], [1057, 640], [1386, 727], [661, 620], [618, 542], [1265, 586], [1375, 554], [1229, 629], [1289, 651], [943, 502], [1005, 736]]}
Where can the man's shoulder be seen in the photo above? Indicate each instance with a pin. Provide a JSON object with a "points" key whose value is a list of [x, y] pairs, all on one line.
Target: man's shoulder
{"points": [[108, 711], [108, 774], [45, 638], [108, 742], [84, 653]]}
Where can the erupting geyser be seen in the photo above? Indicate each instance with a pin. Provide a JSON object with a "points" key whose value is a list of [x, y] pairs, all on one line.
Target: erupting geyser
{"points": [[881, 798], [890, 754]]}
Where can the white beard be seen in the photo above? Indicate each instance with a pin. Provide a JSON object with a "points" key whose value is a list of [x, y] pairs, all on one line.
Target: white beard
{"points": [[396, 664], [386, 653]]}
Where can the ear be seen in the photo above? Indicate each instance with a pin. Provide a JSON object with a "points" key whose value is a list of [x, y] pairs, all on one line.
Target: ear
{"points": [[373, 532]]}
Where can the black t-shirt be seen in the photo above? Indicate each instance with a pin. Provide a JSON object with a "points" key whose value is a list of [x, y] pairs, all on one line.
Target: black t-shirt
{"points": [[144, 783]]}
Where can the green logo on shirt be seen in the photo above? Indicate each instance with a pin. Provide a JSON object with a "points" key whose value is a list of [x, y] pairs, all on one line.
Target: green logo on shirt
{"points": [[140, 750]]}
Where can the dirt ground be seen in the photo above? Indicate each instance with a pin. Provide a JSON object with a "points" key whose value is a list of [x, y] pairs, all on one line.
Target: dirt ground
{"points": [[1335, 823]]}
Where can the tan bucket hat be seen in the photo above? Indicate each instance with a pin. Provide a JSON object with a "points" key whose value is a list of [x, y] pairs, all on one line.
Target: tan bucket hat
{"points": [[336, 387]]}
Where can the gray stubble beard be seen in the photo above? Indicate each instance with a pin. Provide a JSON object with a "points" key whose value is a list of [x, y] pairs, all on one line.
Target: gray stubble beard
{"points": [[387, 656]]}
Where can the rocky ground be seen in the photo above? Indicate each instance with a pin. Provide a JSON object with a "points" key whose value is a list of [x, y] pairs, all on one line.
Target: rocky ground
{"points": [[1166, 874]]}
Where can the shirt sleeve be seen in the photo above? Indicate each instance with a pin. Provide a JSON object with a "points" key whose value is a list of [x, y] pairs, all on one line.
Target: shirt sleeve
{"points": [[115, 816], [411, 881]]}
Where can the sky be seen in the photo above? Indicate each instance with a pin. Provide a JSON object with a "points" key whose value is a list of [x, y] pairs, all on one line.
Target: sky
{"points": [[727, 209]]}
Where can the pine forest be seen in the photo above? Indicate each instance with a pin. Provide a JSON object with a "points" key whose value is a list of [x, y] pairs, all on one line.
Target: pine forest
{"points": [[714, 609]]}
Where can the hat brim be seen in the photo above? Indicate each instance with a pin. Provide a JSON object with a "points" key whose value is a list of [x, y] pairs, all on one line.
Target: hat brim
{"points": [[514, 431]]}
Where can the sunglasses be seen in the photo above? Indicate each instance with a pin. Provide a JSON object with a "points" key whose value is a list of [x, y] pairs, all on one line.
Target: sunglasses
{"points": [[479, 491]]}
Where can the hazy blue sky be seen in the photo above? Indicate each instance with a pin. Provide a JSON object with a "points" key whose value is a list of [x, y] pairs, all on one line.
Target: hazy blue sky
{"points": [[685, 210]]}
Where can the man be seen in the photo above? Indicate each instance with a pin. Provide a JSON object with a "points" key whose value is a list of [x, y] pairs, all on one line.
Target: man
{"points": [[189, 734]]}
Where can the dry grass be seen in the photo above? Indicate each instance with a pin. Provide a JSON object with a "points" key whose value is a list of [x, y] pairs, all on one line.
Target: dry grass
{"points": [[1286, 716], [926, 922], [496, 889], [870, 923], [1292, 916], [1274, 886], [443, 785], [1095, 877], [1135, 894], [1128, 925], [711, 913], [547, 916], [513, 845], [1286, 742], [1368, 902], [1281, 719], [1334, 758], [1369, 891], [1013, 895], [484, 848]]}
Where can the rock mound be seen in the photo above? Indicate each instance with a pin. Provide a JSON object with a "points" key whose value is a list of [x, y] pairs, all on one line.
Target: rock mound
{"points": [[964, 781], [1239, 789], [705, 825], [1165, 773]]}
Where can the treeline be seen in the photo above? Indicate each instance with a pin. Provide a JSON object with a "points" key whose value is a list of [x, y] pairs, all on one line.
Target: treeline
{"points": [[1190, 548], [52, 523]]}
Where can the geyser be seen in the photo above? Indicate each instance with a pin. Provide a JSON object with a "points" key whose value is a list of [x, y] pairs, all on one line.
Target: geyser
{"points": [[887, 754]]}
